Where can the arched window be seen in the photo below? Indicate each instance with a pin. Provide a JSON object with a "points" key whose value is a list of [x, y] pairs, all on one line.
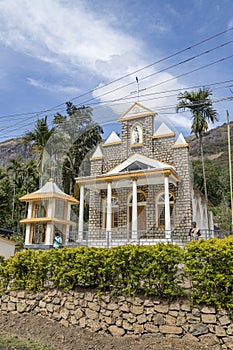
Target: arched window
{"points": [[161, 209], [141, 197], [115, 212]]}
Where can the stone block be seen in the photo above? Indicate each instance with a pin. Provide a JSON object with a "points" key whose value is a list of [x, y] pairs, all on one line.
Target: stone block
{"points": [[170, 329], [116, 331]]}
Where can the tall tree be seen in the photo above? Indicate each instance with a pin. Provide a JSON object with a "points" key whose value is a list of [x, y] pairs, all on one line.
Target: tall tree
{"points": [[84, 134], [6, 193], [200, 104], [38, 139], [25, 178]]}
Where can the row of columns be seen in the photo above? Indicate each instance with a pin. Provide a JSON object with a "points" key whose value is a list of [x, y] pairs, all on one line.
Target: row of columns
{"points": [[134, 209]]}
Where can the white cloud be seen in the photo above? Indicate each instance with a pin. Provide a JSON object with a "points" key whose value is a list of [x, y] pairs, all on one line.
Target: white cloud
{"points": [[48, 30], [70, 37], [53, 87]]}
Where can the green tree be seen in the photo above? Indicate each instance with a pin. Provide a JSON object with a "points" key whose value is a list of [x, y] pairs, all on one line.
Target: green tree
{"points": [[25, 178], [84, 134], [200, 105], [6, 193], [38, 139]]}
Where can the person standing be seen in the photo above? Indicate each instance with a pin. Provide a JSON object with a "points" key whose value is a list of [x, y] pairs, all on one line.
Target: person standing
{"points": [[194, 231], [57, 240]]}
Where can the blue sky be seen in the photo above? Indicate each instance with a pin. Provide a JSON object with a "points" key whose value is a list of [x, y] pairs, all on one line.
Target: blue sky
{"points": [[53, 51]]}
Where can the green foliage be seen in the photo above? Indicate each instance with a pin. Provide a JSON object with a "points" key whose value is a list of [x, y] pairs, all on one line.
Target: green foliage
{"points": [[209, 266], [24, 178], [80, 135], [20, 343], [128, 269], [157, 270], [215, 187], [6, 193]]}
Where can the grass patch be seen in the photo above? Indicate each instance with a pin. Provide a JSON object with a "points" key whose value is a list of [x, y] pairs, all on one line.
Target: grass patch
{"points": [[14, 342]]}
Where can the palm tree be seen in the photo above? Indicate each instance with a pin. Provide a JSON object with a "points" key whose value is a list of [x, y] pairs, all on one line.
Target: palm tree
{"points": [[200, 105], [38, 139]]}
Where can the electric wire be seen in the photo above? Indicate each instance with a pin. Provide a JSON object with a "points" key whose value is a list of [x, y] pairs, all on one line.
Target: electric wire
{"points": [[127, 75]]}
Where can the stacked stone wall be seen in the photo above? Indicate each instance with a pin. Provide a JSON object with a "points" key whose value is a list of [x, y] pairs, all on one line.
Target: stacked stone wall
{"points": [[183, 199], [113, 156], [162, 149], [146, 148], [96, 167], [125, 316]]}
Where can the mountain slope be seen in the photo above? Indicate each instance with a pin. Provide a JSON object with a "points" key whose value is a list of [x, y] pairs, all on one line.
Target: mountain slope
{"points": [[215, 144]]}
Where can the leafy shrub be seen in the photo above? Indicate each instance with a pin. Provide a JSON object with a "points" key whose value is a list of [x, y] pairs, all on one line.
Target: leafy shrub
{"points": [[129, 269], [148, 270], [209, 266]]}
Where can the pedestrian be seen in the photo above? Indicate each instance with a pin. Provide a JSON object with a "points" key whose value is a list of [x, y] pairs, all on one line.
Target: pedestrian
{"points": [[194, 231], [57, 240]]}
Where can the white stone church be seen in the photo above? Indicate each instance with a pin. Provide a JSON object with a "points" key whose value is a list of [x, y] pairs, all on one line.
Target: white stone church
{"points": [[139, 191], [140, 186]]}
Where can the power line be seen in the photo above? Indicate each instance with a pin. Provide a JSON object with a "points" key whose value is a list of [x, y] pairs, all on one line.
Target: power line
{"points": [[127, 75]]}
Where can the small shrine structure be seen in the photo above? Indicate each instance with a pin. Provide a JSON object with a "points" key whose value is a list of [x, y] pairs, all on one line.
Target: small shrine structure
{"points": [[48, 213]]}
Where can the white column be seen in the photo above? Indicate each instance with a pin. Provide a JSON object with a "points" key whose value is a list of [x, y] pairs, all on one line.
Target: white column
{"points": [[67, 231], [109, 210], [50, 226], [134, 211], [81, 213], [167, 208], [28, 226]]}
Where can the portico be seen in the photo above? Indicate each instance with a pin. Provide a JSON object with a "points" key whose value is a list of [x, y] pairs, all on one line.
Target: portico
{"points": [[136, 172]]}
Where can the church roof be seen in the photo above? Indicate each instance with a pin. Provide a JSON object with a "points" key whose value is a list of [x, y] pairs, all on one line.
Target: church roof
{"points": [[146, 170], [137, 110], [163, 131], [49, 190], [180, 142], [98, 154], [139, 162], [112, 139]]}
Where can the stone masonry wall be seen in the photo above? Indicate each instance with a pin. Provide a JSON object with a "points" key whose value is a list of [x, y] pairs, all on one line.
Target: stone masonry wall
{"points": [[184, 199], [125, 316]]}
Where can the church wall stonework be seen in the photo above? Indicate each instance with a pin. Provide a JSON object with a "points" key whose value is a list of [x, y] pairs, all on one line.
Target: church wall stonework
{"points": [[183, 199], [160, 148]]}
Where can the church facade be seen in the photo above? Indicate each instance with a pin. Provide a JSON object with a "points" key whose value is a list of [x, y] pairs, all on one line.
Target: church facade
{"points": [[140, 185]]}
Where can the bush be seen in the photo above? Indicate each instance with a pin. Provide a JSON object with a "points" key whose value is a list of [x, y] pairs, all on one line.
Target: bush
{"points": [[209, 266], [147, 270], [129, 269]]}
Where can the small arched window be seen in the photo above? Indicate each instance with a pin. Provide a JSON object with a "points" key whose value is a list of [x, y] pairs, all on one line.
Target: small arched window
{"points": [[141, 197]]}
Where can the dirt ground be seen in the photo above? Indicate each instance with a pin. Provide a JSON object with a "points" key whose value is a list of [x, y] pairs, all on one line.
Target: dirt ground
{"points": [[45, 331]]}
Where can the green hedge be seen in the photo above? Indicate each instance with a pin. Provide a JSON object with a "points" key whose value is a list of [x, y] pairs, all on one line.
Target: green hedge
{"points": [[157, 270], [130, 270], [209, 266]]}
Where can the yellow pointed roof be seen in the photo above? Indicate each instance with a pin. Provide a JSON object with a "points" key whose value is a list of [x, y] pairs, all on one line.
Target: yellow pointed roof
{"points": [[49, 190]]}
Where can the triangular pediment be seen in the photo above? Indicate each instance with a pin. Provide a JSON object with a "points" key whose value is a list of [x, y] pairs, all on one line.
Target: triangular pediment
{"points": [[136, 166], [163, 131], [112, 139], [180, 142], [98, 154], [137, 110], [138, 162]]}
